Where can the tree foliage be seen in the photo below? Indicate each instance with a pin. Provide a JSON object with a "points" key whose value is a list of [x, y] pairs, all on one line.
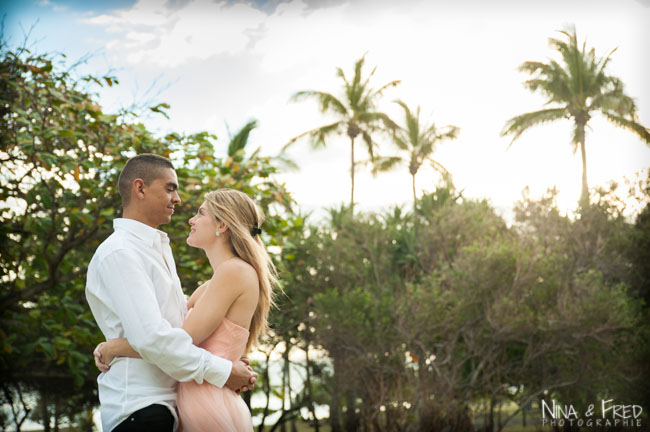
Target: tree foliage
{"points": [[61, 157], [423, 313]]}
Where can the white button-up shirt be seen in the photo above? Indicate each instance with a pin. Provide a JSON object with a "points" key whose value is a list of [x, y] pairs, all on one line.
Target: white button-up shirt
{"points": [[133, 291]]}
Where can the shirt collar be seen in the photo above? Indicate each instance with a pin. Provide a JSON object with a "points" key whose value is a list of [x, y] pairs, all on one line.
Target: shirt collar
{"points": [[151, 236]]}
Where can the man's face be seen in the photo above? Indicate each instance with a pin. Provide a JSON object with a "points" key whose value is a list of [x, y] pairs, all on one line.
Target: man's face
{"points": [[161, 196]]}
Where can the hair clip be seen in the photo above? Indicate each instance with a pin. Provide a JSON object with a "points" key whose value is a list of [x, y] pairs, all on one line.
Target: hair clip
{"points": [[256, 231]]}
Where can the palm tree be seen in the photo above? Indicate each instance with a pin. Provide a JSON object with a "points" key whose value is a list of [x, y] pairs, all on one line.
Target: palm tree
{"points": [[578, 86], [356, 114], [419, 141], [239, 141]]}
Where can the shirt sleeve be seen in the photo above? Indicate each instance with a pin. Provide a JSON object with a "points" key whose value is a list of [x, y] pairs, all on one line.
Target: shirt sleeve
{"points": [[130, 294]]}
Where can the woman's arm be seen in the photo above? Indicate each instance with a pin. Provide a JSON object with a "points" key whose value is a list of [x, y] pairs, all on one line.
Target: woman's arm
{"points": [[231, 279], [120, 347], [196, 294], [217, 295]]}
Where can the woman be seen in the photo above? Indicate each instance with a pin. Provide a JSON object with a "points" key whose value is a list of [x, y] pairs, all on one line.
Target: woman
{"points": [[228, 313]]}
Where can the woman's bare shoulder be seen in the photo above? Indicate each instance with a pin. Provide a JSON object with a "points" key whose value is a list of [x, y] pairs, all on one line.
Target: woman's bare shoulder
{"points": [[238, 271]]}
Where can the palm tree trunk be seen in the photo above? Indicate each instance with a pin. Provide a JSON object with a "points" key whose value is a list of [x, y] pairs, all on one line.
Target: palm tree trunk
{"points": [[352, 175], [584, 194], [414, 198]]}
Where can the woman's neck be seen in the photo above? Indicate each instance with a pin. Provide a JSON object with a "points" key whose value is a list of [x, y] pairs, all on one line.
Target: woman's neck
{"points": [[218, 254]]}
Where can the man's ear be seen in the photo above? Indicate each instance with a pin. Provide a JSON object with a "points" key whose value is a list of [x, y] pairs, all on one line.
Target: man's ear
{"points": [[138, 188]]}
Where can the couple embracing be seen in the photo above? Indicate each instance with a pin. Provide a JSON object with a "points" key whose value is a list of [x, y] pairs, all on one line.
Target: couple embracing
{"points": [[155, 338]]}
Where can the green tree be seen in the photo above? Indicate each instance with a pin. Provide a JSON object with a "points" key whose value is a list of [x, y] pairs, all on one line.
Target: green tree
{"points": [[418, 140], [356, 114], [61, 157], [578, 86], [447, 307]]}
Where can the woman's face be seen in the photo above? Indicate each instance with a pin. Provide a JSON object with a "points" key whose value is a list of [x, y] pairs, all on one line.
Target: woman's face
{"points": [[203, 230]]}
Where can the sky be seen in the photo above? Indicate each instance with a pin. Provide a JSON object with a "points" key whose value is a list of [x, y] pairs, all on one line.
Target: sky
{"points": [[221, 63]]}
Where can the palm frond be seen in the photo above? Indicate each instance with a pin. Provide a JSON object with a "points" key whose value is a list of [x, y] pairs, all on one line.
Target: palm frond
{"points": [[552, 82], [341, 74], [370, 144], [366, 83], [440, 168], [357, 70], [239, 141], [373, 117], [318, 135], [355, 91], [614, 101], [383, 88], [412, 123], [401, 142], [451, 133], [518, 124], [603, 63], [285, 163], [384, 164], [533, 67], [631, 125], [407, 110], [575, 137], [326, 101]]}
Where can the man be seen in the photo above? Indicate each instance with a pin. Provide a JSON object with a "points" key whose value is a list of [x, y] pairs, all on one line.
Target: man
{"points": [[133, 291]]}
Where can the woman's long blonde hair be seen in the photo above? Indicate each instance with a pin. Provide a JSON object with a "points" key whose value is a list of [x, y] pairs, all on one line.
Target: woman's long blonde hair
{"points": [[240, 214]]}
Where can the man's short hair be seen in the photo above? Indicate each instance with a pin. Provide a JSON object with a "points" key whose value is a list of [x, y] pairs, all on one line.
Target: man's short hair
{"points": [[147, 167]]}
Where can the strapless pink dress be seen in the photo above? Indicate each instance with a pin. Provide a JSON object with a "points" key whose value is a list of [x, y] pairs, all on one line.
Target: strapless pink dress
{"points": [[208, 408]]}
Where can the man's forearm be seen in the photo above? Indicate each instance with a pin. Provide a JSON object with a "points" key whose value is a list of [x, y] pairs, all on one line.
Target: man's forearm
{"points": [[171, 349], [150, 334], [120, 347]]}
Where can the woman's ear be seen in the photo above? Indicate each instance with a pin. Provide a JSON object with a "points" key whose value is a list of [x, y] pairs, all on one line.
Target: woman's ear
{"points": [[223, 228]]}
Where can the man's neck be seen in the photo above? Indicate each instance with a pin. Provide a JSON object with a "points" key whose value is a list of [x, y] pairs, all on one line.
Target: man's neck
{"points": [[130, 213]]}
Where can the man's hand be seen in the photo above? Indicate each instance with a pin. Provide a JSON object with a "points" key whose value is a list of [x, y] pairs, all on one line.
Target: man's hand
{"points": [[242, 377], [97, 354]]}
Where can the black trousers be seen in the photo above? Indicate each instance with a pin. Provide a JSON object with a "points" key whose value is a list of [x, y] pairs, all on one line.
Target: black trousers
{"points": [[154, 418]]}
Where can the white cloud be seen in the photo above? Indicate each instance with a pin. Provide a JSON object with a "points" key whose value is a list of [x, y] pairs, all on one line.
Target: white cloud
{"points": [[295, 36], [54, 6], [157, 34]]}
